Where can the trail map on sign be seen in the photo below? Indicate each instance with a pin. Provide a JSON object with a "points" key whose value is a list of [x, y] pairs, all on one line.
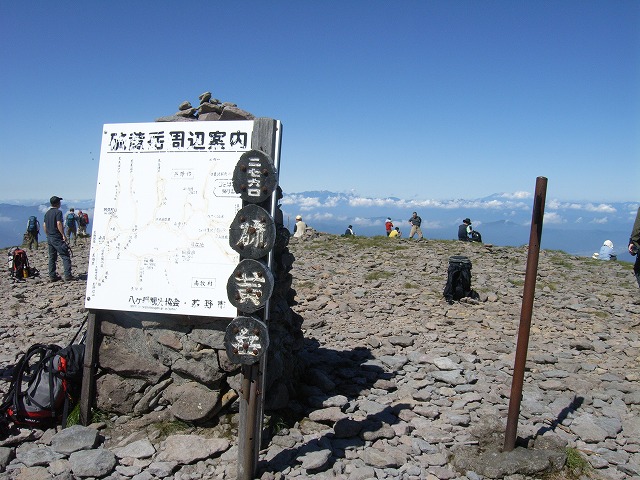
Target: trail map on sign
{"points": [[164, 204]]}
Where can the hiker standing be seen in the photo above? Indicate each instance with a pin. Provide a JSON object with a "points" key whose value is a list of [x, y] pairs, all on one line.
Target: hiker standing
{"points": [[57, 241], [82, 223], [415, 222], [33, 230], [70, 221], [634, 245], [388, 225]]}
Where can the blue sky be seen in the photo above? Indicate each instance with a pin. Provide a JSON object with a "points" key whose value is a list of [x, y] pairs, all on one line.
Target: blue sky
{"points": [[413, 99]]}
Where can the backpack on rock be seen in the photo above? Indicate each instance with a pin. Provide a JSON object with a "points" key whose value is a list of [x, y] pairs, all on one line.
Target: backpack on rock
{"points": [[459, 279], [18, 263], [45, 383]]}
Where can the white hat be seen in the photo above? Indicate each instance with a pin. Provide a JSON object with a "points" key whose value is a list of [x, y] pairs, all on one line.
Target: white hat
{"points": [[298, 217], [608, 243]]}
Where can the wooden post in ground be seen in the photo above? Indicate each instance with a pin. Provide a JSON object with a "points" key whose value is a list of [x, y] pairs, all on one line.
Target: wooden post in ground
{"points": [[87, 391], [264, 138], [525, 314]]}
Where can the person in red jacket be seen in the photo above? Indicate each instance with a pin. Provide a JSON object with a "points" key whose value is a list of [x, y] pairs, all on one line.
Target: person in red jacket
{"points": [[388, 225]]}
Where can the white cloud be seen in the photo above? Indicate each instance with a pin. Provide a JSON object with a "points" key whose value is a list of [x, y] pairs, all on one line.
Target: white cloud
{"points": [[589, 207], [366, 222], [431, 225], [321, 216], [602, 208], [552, 204], [5, 219], [370, 202], [552, 217], [600, 221], [517, 195]]}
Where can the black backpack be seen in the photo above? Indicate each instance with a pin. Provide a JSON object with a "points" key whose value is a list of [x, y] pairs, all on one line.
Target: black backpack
{"points": [[476, 237], [32, 226], [459, 279], [45, 383]]}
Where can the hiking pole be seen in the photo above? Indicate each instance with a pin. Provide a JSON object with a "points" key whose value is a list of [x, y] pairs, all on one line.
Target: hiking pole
{"points": [[525, 314]]}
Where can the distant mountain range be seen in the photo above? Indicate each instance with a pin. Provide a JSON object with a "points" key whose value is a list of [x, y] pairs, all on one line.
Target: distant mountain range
{"points": [[14, 217], [578, 228]]}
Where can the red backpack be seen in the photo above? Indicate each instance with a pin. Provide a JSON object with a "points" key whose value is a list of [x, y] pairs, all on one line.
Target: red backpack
{"points": [[19, 263]]}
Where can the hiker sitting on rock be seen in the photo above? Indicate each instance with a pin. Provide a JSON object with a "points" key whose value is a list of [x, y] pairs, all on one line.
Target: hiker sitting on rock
{"points": [[349, 231], [299, 227], [464, 230], [606, 252]]}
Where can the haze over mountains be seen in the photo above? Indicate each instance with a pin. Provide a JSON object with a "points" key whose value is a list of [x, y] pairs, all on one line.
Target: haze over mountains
{"points": [[577, 227]]}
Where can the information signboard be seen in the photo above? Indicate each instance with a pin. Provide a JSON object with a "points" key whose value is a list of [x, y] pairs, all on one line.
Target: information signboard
{"points": [[164, 203]]}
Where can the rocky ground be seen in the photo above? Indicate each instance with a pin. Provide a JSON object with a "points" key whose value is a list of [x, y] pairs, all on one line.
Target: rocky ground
{"points": [[398, 384]]}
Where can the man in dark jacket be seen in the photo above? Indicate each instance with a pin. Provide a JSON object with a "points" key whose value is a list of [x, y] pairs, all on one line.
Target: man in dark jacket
{"points": [[57, 241], [415, 222], [464, 230]]}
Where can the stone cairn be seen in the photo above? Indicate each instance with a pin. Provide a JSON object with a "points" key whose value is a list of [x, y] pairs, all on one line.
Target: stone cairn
{"points": [[151, 362], [210, 109]]}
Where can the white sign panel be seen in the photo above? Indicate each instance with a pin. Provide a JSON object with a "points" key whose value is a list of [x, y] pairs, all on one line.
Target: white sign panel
{"points": [[164, 204]]}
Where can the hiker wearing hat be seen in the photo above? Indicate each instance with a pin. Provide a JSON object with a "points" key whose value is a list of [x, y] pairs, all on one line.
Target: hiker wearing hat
{"points": [[464, 230], [57, 241], [299, 227], [349, 231]]}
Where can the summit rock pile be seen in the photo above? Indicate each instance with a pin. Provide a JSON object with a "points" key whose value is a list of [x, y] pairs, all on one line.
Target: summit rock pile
{"points": [[398, 384]]}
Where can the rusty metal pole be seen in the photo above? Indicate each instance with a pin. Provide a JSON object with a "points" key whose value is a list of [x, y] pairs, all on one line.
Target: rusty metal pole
{"points": [[525, 314]]}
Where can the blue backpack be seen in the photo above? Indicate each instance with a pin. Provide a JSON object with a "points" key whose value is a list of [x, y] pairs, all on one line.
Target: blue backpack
{"points": [[71, 220], [32, 226]]}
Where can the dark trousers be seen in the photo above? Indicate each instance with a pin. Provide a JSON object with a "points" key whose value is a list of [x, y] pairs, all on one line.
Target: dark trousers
{"points": [[57, 246], [636, 268]]}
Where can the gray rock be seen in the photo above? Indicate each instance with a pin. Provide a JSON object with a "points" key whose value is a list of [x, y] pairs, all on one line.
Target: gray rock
{"points": [[117, 394], [203, 370], [162, 469], [38, 456], [138, 449], [92, 463], [235, 113], [380, 459], [586, 427], [73, 439], [185, 449], [316, 461], [6, 455], [192, 402]]}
